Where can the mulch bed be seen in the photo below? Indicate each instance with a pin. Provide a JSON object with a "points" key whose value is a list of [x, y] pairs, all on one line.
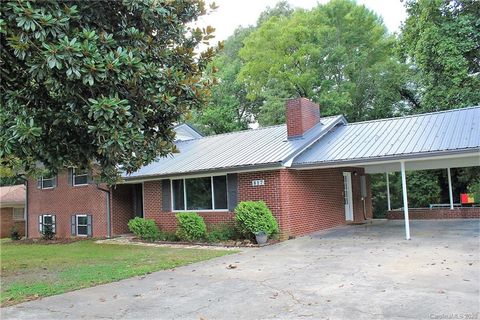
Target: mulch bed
{"points": [[54, 241], [226, 244]]}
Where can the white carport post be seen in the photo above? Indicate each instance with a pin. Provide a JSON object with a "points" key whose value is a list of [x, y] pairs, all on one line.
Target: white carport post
{"points": [[450, 193], [405, 200], [388, 192]]}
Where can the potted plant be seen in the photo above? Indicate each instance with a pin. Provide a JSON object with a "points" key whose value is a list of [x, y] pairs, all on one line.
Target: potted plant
{"points": [[261, 237]]}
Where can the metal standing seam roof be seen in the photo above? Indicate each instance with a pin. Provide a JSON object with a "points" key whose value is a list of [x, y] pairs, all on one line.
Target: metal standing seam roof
{"points": [[267, 146], [423, 134]]}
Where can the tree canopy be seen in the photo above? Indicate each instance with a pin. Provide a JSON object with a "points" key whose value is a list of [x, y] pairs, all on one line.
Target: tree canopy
{"points": [[442, 39], [338, 54], [98, 82]]}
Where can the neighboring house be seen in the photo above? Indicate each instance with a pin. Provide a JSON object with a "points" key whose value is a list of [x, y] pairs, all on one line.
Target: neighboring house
{"points": [[311, 172], [12, 210]]}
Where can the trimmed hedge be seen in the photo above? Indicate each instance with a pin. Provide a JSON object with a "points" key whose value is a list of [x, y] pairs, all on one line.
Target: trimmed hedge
{"points": [[144, 229], [191, 226], [254, 216]]}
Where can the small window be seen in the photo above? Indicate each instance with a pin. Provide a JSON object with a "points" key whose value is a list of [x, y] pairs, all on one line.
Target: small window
{"points": [[48, 181], [80, 177], [45, 222], [18, 214], [82, 225]]}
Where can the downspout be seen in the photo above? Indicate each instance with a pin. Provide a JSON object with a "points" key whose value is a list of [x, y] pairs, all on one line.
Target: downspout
{"points": [[25, 182], [109, 193]]}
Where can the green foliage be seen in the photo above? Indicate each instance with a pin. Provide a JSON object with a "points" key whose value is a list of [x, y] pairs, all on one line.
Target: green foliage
{"points": [[144, 229], [474, 188], [14, 234], [230, 108], [222, 232], [442, 39], [100, 82], [167, 236], [254, 216], [47, 233], [191, 226], [338, 54]]}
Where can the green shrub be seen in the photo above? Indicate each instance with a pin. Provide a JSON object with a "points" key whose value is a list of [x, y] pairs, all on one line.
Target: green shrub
{"points": [[14, 234], [254, 216], [48, 233], [474, 188], [167, 236], [191, 226], [144, 229], [222, 232]]}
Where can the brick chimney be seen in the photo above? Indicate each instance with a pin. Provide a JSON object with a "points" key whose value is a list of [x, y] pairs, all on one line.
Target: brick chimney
{"points": [[302, 115]]}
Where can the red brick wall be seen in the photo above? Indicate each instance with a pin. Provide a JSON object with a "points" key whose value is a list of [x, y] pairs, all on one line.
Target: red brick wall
{"points": [[437, 213], [301, 201], [65, 201], [302, 114], [313, 199], [122, 208], [166, 220], [7, 223]]}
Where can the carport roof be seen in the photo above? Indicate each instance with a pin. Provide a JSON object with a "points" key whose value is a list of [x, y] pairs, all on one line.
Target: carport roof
{"points": [[432, 134]]}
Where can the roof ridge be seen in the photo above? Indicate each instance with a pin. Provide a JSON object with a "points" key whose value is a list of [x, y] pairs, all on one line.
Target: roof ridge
{"points": [[246, 130], [413, 115]]}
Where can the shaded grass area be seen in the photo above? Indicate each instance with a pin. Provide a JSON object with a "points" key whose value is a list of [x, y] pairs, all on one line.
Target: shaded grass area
{"points": [[30, 271]]}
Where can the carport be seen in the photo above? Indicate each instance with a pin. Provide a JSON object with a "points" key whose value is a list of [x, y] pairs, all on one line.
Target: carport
{"points": [[439, 140]]}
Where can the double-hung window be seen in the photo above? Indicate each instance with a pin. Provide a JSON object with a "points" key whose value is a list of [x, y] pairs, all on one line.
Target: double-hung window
{"points": [[48, 181], [18, 214], [82, 225], [202, 194], [80, 177], [46, 222]]}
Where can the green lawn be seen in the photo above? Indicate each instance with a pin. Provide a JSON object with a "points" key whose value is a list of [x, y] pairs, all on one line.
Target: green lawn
{"points": [[29, 271]]}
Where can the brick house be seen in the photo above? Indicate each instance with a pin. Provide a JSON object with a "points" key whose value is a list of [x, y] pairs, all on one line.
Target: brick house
{"points": [[12, 210], [312, 172]]}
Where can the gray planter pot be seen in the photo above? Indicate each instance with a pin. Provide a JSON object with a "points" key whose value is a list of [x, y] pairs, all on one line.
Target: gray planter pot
{"points": [[261, 237]]}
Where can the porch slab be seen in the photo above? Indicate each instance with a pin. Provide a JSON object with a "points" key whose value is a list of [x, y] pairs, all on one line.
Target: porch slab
{"points": [[351, 272]]}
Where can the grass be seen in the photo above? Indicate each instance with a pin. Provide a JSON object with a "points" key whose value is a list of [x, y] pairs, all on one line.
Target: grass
{"points": [[30, 271]]}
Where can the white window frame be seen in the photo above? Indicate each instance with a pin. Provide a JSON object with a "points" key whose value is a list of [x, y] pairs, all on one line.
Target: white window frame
{"points": [[54, 229], [23, 213], [77, 224], [52, 179], [80, 175], [185, 195]]}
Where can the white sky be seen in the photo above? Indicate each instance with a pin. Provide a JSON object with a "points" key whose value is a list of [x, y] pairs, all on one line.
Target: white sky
{"points": [[232, 13]]}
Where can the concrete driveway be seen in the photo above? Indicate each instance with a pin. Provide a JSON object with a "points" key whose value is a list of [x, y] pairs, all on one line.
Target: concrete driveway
{"points": [[351, 272]]}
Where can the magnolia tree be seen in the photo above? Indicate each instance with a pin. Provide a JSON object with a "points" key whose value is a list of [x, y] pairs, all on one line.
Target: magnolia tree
{"points": [[98, 82]]}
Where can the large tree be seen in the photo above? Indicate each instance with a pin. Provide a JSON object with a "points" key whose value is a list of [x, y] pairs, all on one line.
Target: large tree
{"points": [[98, 82], [442, 40], [338, 54], [231, 108]]}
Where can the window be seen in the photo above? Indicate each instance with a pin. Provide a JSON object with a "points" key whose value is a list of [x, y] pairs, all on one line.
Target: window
{"points": [[48, 181], [82, 225], [18, 214], [80, 177], [203, 194], [46, 221]]}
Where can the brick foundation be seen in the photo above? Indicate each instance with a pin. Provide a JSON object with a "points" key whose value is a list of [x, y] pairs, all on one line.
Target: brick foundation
{"points": [[436, 213]]}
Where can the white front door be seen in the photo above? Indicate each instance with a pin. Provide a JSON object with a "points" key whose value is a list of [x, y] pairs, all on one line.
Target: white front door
{"points": [[347, 195]]}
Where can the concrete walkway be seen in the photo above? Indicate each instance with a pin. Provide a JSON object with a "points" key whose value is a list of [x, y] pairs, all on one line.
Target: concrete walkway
{"points": [[353, 272]]}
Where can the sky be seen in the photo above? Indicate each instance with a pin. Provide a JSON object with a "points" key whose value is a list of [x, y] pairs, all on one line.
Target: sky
{"points": [[233, 13]]}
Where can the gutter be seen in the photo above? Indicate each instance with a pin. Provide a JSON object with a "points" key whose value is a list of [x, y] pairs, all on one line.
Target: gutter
{"points": [[387, 159]]}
